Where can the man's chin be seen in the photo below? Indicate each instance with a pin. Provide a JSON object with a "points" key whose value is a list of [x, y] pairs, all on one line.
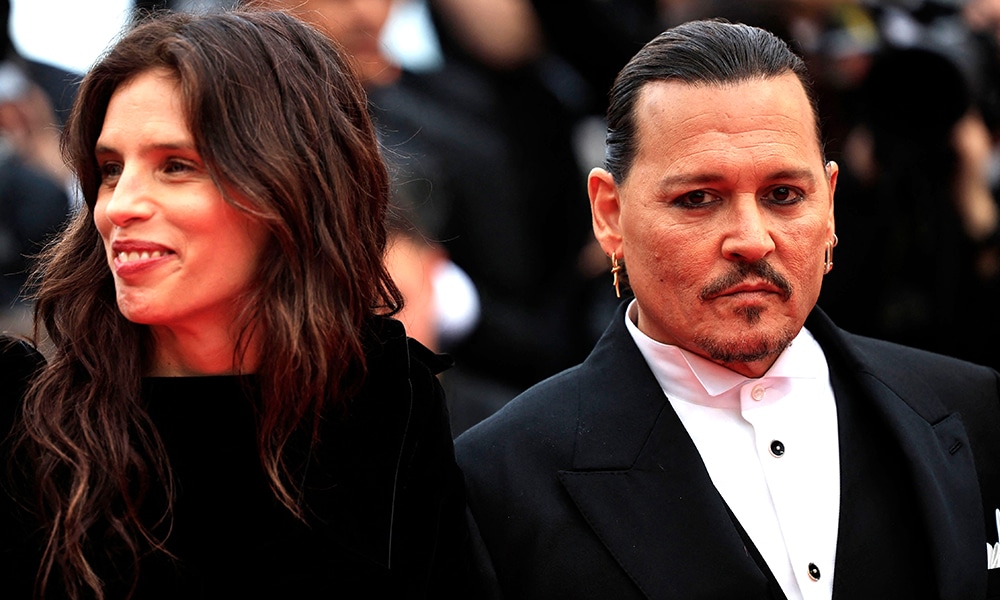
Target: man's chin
{"points": [[751, 314], [752, 346]]}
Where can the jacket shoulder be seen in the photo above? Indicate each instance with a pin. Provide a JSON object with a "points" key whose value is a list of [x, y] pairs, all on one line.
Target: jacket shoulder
{"points": [[958, 383], [920, 377], [936, 387], [542, 417]]}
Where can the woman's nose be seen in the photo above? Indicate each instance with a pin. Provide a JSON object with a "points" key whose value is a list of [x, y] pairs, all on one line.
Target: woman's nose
{"points": [[130, 200]]}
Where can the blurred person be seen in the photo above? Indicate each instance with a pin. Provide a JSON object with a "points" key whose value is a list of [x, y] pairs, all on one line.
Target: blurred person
{"points": [[354, 24], [485, 174], [413, 260], [623, 28], [983, 16], [227, 408], [29, 125], [58, 84], [501, 34], [492, 132], [34, 182], [33, 202], [917, 199], [725, 439], [35, 107]]}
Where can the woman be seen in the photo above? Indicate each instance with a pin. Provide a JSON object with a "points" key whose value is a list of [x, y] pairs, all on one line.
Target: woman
{"points": [[227, 411]]}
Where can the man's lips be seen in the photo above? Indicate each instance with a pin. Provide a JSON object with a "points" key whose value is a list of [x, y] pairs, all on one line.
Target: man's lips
{"points": [[744, 289], [748, 278]]}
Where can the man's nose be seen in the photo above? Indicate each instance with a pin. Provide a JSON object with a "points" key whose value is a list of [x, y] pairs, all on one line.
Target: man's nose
{"points": [[748, 234]]}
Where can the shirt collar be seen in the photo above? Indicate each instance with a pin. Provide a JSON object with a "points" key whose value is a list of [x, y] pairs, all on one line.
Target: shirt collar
{"points": [[685, 375]]}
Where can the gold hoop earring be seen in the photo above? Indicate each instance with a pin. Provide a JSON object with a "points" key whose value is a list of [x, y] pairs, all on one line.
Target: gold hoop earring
{"points": [[828, 254], [615, 270]]}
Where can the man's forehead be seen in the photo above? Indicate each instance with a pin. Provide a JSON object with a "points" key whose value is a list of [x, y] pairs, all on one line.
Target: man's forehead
{"points": [[668, 102]]}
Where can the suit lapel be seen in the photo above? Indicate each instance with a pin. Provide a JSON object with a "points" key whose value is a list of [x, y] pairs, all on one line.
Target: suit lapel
{"points": [[939, 460], [641, 485]]}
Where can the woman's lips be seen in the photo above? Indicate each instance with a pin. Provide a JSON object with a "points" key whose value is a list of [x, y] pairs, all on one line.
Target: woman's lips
{"points": [[132, 257]]}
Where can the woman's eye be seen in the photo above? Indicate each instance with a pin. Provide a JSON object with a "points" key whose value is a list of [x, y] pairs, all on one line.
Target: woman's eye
{"points": [[110, 171], [178, 166], [784, 194]]}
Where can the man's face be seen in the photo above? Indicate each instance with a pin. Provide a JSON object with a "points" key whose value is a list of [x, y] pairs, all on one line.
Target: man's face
{"points": [[723, 218]]}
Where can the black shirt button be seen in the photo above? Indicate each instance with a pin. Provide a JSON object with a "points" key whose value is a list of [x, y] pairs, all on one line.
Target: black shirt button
{"points": [[777, 449], [813, 572]]}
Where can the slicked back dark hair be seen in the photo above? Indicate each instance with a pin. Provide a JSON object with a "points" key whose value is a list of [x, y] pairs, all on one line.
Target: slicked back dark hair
{"points": [[709, 52]]}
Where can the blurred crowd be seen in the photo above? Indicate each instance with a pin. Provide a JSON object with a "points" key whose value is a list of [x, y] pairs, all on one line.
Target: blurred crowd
{"points": [[490, 142]]}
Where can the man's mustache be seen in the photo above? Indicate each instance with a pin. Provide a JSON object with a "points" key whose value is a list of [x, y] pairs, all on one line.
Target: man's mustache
{"points": [[742, 271]]}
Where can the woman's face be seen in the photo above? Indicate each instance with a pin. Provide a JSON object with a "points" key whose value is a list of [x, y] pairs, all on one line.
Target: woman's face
{"points": [[181, 256]]}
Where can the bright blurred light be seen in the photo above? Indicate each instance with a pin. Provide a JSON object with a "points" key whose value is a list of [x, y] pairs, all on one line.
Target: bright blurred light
{"points": [[67, 33], [409, 37]]}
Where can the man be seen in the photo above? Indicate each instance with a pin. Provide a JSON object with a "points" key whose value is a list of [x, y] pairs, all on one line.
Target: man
{"points": [[724, 439]]}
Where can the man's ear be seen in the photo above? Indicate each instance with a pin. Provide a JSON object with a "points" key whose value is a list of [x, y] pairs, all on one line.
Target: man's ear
{"points": [[605, 210], [832, 171]]}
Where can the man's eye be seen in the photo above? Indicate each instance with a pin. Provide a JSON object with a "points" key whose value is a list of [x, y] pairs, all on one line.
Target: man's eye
{"points": [[784, 195], [696, 199]]}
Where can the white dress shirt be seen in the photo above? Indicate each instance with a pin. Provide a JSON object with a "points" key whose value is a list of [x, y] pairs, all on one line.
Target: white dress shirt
{"points": [[770, 446]]}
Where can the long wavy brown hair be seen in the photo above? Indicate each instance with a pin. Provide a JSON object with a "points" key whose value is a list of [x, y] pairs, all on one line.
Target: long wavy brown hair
{"points": [[282, 124]]}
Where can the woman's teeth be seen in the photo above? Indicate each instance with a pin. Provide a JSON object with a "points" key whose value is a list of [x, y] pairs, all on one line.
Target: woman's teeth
{"points": [[144, 255]]}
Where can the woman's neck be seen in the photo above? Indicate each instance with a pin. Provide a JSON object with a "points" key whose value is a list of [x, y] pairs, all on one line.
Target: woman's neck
{"points": [[191, 353]]}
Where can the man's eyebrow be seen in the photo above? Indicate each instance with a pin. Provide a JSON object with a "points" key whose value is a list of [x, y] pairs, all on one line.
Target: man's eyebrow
{"points": [[793, 174], [686, 180]]}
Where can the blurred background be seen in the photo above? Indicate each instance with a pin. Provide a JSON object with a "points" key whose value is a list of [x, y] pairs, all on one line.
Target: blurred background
{"points": [[491, 114]]}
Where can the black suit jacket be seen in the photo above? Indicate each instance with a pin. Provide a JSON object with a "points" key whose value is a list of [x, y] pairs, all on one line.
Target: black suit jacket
{"points": [[588, 485]]}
